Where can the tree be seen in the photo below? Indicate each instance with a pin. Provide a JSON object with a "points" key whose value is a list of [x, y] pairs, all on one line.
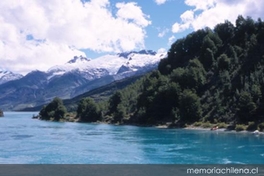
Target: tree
{"points": [[114, 101], [88, 110], [59, 112], [223, 62], [232, 54], [207, 59], [164, 67], [256, 92], [184, 50], [177, 75], [225, 30], [120, 113], [190, 107], [164, 101], [192, 77], [43, 113], [55, 109], [246, 107], [208, 43]]}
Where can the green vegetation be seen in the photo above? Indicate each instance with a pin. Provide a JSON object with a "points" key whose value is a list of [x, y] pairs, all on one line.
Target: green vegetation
{"points": [[212, 76], [88, 110], [222, 125], [252, 126], [240, 127], [207, 125], [261, 127], [55, 110]]}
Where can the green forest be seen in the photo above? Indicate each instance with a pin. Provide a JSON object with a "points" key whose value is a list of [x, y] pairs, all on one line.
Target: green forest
{"points": [[211, 76]]}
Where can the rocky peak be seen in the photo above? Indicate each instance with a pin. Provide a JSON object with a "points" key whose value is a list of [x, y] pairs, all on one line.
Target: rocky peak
{"points": [[78, 59], [149, 52], [146, 52], [6, 76]]}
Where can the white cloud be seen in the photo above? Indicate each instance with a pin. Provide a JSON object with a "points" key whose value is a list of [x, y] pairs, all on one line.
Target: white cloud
{"points": [[208, 13], [60, 28], [161, 50], [163, 32], [171, 40], [200, 5], [159, 2], [130, 11], [187, 17], [33, 55]]}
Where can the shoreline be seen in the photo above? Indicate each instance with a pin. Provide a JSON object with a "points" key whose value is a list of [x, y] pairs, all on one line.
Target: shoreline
{"points": [[256, 132], [166, 126]]}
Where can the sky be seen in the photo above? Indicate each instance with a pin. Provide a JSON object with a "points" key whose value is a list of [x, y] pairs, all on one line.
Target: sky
{"points": [[38, 34]]}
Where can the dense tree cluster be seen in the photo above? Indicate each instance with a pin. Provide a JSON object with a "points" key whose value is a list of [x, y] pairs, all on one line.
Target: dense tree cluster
{"points": [[55, 110], [210, 75], [214, 75], [88, 110]]}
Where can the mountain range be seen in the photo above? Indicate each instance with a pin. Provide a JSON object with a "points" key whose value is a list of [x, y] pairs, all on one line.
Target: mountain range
{"points": [[73, 78], [6, 76]]}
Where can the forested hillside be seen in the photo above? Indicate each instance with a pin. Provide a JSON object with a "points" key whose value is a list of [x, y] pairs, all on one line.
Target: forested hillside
{"points": [[213, 75]]}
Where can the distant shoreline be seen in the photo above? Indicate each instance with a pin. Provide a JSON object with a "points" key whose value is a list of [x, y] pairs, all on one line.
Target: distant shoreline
{"points": [[209, 129], [166, 126]]}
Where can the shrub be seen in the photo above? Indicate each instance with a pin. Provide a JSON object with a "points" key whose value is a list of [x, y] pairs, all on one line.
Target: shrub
{"points": [[261, 127], [197, 124], [222, 125], [207, 125], [88, 110], [240, 127], [252, 126], [54, 110]]}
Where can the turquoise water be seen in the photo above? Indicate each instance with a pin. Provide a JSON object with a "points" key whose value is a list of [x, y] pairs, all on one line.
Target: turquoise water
{"points": [[29, 141]]}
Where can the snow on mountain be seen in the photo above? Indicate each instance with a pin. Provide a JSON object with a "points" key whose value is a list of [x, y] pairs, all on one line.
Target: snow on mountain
{"points": [[119, 65], [73, 78], [71, 65], [6, 76], [110, 64]]}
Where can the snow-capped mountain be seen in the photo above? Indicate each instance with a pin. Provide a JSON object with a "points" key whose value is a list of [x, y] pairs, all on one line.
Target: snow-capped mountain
{"points": [[75, 77], [114, 65], [6, 76]]}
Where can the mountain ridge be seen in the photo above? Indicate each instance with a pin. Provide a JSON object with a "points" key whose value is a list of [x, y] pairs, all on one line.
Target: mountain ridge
{"points": [[6, 76], [75, 77]]}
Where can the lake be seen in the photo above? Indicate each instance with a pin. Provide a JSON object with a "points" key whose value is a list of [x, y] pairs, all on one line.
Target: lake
{"points": [[24, 140]]}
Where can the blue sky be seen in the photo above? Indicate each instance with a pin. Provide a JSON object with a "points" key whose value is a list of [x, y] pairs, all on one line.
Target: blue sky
{"points": [[159, 34], [162, 18], [38, 34]]}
